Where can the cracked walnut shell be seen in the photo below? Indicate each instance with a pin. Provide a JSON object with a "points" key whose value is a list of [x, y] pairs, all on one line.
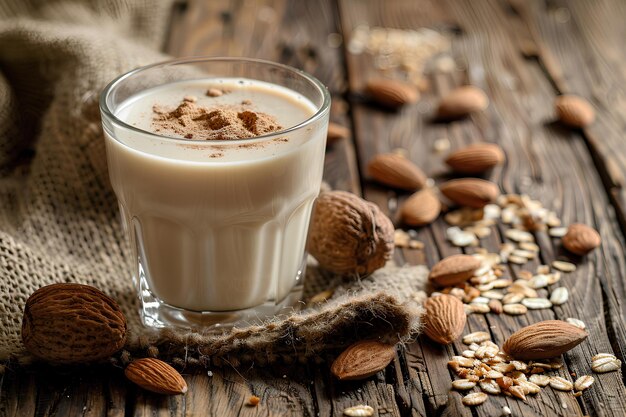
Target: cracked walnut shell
{"points": [[348, 235]]}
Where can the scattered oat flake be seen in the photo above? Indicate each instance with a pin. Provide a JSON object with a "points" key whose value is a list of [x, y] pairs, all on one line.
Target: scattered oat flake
{"points": [[416, 244], [583, 382], [401, 238], [576, 322], [561, 384], [564, 266], [441, 145], [559, 296], [476, 337], [558, 231], [463, 384], [541, 380], [321, 297], [515, 309], [475, 398], [506, 410], [606, 364], [359, 411]]}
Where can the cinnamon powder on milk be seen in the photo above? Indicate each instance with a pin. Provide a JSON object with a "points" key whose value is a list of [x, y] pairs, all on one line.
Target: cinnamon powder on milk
{"points": [[226, 122]]}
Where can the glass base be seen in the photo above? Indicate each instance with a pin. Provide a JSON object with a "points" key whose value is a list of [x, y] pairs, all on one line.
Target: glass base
{"points": [[158, 314]]}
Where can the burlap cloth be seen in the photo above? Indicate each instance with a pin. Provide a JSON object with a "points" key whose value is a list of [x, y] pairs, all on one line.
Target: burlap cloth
{"points": [[58, 215]]}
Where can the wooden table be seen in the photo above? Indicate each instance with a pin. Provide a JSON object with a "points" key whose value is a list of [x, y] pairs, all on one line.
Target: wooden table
{"points": [[522, 53]]}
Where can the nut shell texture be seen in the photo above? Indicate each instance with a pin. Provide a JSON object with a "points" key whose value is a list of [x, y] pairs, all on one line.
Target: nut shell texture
{"points": [[72, 323], [348, 235], [362, 360], [574, 111], [461, 102], [392, 93], [453, 270], [475, 158], [546, 339], [156, 376], [396, 171], [581, 239], [421, 208], [470, 192], [444, 318]]}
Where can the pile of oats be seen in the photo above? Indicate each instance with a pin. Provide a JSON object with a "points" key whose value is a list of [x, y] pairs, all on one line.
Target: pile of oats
{"points": [[485, 367]]}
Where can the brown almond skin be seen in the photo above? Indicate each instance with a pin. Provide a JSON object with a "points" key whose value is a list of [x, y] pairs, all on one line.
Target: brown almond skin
{"points": [[421, 208], [362, 360], [391, 93], [396, 171], [470, 192], [453, 270], [476, 158], [543, 340], [348, 235], [72, 323], [336, 132], [574, 111], [156, 376], [462, 101], [581, 239], [444, 318]]}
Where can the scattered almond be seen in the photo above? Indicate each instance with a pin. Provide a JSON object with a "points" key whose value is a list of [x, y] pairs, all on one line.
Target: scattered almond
{"points": [[156, 376], [362, 360], [545, 339], [470, 192], [391, 93], [453, 270], [396, 171], [461, 102], [421, 208], [574, 111], [475, 158], [581, 239], [444, 318]]}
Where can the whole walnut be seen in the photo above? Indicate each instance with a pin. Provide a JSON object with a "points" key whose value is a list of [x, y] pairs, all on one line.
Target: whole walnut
{"points": [[348, 235]]}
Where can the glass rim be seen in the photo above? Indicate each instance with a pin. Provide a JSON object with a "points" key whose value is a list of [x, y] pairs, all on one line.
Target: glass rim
{"points": [[321, 111]]}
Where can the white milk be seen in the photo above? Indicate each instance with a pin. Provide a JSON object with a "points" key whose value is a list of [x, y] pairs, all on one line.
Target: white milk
{"points": [[218, 225]]}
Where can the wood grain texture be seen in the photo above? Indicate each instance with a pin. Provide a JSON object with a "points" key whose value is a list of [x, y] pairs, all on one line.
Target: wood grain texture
{"points": [[522, 54]]}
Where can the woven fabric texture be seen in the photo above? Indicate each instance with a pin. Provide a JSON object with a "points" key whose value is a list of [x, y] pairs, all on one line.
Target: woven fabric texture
{"points": [[58, 215]]}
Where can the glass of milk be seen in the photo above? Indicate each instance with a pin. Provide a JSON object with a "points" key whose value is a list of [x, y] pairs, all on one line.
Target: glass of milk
{"points": [[217, 228]]}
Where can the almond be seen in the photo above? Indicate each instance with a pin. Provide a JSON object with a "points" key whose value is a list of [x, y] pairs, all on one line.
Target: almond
{"points": [[470, 192], [421, 208], [362, 360], [72, 323], [475, 158], [444, 318], [156, 376], [461, 102], [574, 111], [581, 239], [336, 132], [545, 339], [395, 170], [453, 270], [391, 93]]}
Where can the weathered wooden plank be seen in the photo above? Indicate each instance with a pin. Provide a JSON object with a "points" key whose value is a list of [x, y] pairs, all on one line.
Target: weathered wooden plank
{"points": [[18, 394], [516, 123]]}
